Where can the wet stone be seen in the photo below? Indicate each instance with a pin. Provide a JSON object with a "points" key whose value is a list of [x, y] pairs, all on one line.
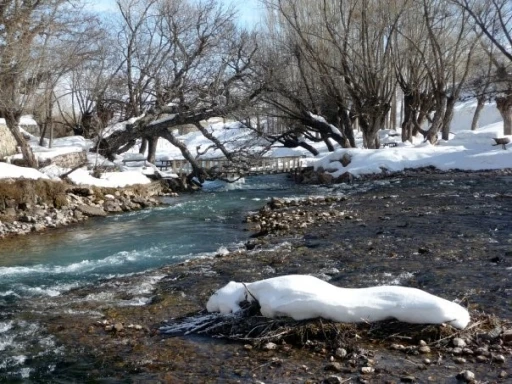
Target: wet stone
{"points": [[424, 349], [333, 380], [457, 351], [334, 367], [482, 359], [341, 353], [466, 376], [498, 358], [367, 370], [458, 342], [269, 346]]}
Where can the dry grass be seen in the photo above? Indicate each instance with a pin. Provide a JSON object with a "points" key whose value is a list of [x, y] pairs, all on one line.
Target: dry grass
{"points": [[25, 191], [250, 326]]}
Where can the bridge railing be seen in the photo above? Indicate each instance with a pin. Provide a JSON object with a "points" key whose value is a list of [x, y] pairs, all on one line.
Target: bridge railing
{"points": [[265, 165]]}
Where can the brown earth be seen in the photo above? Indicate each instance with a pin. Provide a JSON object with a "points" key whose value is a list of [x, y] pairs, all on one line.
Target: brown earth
{"points": [[449, 234]]}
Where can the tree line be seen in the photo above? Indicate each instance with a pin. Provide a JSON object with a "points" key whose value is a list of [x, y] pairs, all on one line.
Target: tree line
{"points": [[320, 68]]}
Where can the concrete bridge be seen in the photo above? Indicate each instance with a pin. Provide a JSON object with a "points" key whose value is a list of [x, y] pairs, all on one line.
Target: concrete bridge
{"points": [[224, 167]]}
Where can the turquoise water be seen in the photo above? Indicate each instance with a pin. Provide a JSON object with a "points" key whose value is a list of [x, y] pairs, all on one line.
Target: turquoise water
{"points": [[188, 226], [40, 267]]}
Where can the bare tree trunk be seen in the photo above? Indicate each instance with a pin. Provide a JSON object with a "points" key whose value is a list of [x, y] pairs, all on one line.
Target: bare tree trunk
{"points": [[197, 170], [437, 122], [152, 143], [407, 124], [478, 111], [13, 125], [447, 118], [393, 111], [504, 105], [347, 126], [143, 146]]}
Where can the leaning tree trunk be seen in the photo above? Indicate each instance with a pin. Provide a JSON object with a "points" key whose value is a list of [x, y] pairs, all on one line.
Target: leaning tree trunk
{"points": [[437, 122], [478, 111], [12, 122], [504, 105], [143, 146]]}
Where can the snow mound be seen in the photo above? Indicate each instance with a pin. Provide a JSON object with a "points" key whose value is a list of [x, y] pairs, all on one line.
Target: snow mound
{"points": [[307, 297], [108, 179], [11, 171]]}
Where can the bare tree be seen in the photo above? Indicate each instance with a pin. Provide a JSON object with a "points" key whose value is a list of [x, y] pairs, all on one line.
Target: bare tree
{"points": [[196, 65], [494, 19], [346, 46]]}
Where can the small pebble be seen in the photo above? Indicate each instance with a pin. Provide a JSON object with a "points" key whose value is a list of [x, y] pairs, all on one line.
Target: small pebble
{"points": [[499, 358], [424, 349], [333, 367], [458, 342], [459, 360], [482, 359], [397, 347], [248, 347], [333, 380], [269, 346], [341, 353], [466, 376], [367, 370], [457, 351], [427, 361]]}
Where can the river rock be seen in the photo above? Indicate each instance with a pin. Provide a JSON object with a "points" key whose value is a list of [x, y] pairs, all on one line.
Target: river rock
{"points": [[112, 206], [334, 367], [466, 376], [333, 380], [458, 342], [269, 346], [325, 178], [91, 211], [341, 353]]}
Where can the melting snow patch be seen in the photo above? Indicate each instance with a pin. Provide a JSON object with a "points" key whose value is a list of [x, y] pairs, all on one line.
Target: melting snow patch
{"points": [[307, 297]]}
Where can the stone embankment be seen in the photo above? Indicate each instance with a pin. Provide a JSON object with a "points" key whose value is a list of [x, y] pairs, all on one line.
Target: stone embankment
{"points": [[35, 205]]}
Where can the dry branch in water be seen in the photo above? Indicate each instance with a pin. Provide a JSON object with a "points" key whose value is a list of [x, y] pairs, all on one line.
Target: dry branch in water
{"points": [[249, 325]]}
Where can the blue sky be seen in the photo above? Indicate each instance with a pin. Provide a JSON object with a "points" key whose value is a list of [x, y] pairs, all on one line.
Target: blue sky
{"points": [[249, 10]]}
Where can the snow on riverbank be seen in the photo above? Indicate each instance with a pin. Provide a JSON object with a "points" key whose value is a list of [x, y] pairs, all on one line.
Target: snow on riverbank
{"points": [[466, 150], [304, 297]]}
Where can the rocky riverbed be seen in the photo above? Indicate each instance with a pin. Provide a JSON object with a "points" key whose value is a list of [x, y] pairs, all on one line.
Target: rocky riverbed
{"points": [[450, 234]]}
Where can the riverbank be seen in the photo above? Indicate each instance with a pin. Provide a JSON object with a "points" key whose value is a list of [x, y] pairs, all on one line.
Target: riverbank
{"points": [[28, 206], [449, 234]]}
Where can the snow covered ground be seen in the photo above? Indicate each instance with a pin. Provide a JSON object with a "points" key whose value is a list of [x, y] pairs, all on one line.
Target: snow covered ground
{"points": [[304, 297], [466, 150]]}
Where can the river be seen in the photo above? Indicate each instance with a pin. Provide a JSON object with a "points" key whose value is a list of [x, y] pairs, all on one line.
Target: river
{"points": [[40, 266], [460, 224]]}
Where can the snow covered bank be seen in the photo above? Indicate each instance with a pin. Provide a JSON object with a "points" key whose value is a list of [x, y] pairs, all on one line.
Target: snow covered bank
{"points": [[307, 297], [467, 150], [9, 171]]}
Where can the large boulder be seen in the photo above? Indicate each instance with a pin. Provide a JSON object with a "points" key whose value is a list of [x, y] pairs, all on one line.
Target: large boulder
{"points": [[91, 211]]}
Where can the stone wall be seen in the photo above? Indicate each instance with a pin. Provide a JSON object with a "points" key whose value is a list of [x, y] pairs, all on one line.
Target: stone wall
{"points": [[7, 142], [68, 160]]}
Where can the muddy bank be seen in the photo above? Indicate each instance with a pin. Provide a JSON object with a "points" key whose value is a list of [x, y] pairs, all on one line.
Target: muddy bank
{"points": [[449, 234]]}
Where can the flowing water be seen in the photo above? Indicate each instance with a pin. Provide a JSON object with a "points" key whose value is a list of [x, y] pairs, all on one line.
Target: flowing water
{"points": [[38, 269], [50, 264]]}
